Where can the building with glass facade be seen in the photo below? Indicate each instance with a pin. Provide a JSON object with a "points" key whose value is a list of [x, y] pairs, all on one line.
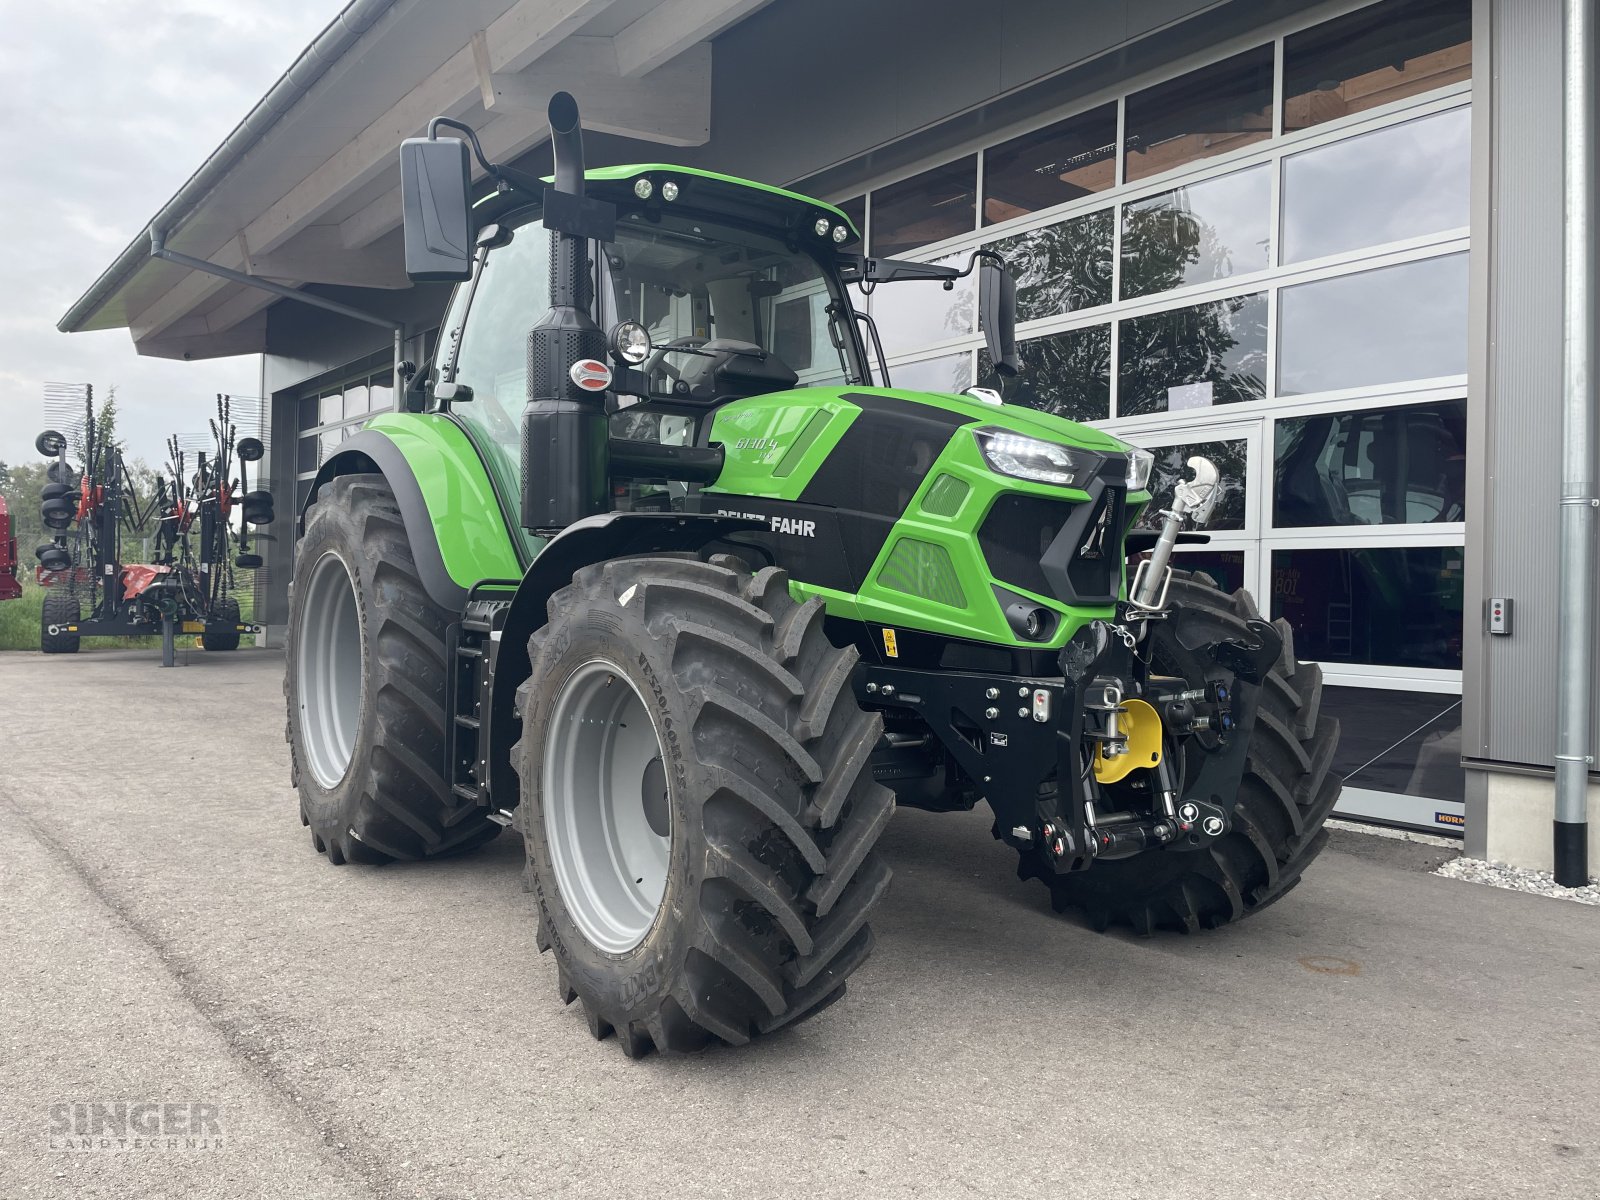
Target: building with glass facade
{"points": [[1319, 243]]}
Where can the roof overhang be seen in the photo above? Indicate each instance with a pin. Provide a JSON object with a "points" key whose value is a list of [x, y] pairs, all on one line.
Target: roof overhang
{"points": [[306, 189]]}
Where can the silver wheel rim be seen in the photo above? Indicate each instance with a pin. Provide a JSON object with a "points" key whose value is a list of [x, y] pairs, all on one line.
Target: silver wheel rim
{"points": [[328, 670], [606, 811]]}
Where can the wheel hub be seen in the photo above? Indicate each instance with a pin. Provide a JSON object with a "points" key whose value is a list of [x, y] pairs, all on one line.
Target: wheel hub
{"points": [[328, 671], [607, 813]]}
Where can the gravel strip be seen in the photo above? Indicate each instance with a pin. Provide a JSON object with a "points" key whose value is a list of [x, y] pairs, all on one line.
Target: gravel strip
{"points": [[1517, 879]]}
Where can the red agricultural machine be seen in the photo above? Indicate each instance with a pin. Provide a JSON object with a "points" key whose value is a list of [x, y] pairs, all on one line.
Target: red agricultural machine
{"points": [[200, 540]]}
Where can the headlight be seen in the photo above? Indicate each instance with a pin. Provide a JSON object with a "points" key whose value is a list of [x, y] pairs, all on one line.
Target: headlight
{"points": [[643, 188], [669, 191], [821, 226], [841, 234], [1140, 464], [630, 342], [1029, 458]]}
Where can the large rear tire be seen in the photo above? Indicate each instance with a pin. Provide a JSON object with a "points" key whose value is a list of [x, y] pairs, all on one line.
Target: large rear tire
{"points": [[365, 684], [697, 807], [60, 610], [1277, 827]]}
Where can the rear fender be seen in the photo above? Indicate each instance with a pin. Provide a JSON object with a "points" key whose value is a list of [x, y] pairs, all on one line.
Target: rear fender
{"points": [[453, 519]]}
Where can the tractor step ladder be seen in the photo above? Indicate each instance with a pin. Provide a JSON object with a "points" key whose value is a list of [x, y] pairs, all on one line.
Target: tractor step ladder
{"points": [[472, 644]]}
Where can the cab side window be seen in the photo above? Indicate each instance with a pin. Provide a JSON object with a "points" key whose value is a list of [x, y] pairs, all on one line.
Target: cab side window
{"points": [[491, 347]]}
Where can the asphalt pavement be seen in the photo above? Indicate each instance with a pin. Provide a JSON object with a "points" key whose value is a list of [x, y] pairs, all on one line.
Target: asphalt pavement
{"points": [[195, 1004]]}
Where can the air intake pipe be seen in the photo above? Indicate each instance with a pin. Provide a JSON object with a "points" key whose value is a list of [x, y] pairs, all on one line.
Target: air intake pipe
{"points": [[565, 468]]}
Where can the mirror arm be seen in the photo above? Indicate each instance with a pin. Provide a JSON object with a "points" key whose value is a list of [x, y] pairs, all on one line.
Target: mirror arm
{"points": [[505, 178]]}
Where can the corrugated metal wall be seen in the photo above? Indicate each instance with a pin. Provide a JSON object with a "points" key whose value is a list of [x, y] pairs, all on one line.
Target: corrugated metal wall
{"points": [[1510, 705]]}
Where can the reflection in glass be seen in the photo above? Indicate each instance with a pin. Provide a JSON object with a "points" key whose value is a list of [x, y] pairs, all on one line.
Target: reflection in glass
{"points": [[1197, 234], [1391, 606], [925, 208], [330, 408], [1199, 115], [1395, 183], [355, 399], [1172, 467], [1387, 466], [947, 373], [306, 418], [915, 313], [1395, 323], [1226, 567], [1374, 56], [1068, 374], [1195, 357], [1408, 743], [1062, 267], [307, 457], [382, 394], [1065, 161]]}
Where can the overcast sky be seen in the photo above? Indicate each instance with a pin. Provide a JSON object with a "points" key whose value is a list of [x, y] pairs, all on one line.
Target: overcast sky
{"points": [[106, 108]]}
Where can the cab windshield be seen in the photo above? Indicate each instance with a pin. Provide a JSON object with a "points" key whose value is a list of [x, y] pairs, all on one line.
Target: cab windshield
{"points": [[687, 279]]}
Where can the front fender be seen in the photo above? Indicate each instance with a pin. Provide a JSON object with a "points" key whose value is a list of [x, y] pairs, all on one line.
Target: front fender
{"points": [[591, 540]]}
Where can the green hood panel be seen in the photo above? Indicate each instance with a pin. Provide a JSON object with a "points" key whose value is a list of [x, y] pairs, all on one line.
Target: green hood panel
{"points": [[474, 539]]}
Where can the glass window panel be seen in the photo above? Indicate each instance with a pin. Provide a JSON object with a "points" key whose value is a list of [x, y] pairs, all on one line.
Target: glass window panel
{"points": [[925, 208], [1395, 183], [330, 408], [1386, 466], [302, 492], [1408, 743], [1062, 267], [1068, 374], [1197, 234], [356, 399], [1390, 606], [1199, 115], [1226, 567], [306, 456], [306, 418], [918, 313], [947, 373], [382, 397], [1171, 468], [330, 442], [1373, 56], [1065, 161], [491, 347], [1395, 323], [1195, 357]]}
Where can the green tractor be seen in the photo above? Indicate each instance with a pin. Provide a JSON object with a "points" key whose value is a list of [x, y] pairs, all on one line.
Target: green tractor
{"points": [[650, 568]]}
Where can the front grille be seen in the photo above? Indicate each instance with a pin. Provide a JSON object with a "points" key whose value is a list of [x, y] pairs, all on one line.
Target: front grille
{"points": [[1058, 548], [1016, 534], [1095, 566]]}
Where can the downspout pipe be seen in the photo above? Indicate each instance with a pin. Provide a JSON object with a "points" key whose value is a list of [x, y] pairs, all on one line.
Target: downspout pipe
{"points": [[159, 249], [1580, 500]]}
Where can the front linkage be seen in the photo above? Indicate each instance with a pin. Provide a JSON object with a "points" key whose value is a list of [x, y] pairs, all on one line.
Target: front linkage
{"points": [[1053, 756]]}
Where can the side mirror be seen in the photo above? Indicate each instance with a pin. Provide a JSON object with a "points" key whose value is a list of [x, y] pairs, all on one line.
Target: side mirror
{"points": [[434, 184], [997, 309]]}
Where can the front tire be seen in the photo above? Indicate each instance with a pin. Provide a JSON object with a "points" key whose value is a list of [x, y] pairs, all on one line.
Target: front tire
{"points": [[60, 610], [1277, 830], [746, 910], [365, 685]]}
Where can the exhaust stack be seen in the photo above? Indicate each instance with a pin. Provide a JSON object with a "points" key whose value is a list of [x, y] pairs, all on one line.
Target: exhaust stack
{"points": [[565, 465]]}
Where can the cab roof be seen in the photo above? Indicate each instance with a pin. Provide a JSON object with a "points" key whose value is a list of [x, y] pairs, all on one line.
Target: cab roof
{"points": [[721, 197]]}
